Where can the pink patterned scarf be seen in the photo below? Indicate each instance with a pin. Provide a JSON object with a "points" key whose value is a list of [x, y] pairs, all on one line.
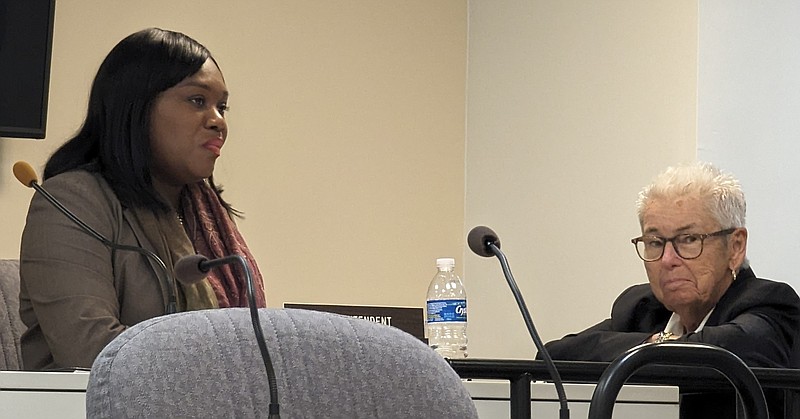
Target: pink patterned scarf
{"points": [[214, 235]]}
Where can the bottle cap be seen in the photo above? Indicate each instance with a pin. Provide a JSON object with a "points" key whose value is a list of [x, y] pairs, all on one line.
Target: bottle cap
{"points": [[445, 263]]}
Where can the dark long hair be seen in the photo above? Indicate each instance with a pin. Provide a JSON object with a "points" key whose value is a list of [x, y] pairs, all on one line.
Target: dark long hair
{"points": [[115, 137]]}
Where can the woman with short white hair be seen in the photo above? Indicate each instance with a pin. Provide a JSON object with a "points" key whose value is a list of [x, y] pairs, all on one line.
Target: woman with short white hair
{"points": [[701, 287]]}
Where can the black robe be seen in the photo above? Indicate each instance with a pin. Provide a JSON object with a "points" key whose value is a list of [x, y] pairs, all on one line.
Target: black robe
{"points": [[756, 319]]}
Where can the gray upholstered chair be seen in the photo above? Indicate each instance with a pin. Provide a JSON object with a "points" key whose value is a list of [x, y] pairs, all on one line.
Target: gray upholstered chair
{"points": [[11, 326], [207, 364]]}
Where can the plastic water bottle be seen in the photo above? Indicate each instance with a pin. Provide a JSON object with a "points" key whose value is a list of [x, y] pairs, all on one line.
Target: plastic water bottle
{"points": [[447, 311]]}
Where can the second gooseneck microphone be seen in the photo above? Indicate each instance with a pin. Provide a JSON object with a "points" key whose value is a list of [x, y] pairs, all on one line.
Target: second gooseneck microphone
{"points": [[194, 268], [484, 242], [27, 176]]}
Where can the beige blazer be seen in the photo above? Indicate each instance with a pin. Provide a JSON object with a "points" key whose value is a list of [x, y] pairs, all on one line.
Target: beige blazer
{"points": [[76, 294]]}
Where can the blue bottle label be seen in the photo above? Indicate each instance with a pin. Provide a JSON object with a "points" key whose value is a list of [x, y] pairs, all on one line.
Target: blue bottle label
{"points": [[447, 311]]}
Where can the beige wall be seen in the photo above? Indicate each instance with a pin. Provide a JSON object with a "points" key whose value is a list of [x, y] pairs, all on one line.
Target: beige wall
{"points": [[573, 106], [346, 146]]}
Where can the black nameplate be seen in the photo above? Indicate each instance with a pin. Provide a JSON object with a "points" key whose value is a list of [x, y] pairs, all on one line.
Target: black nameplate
{"points": [[407, 319]]}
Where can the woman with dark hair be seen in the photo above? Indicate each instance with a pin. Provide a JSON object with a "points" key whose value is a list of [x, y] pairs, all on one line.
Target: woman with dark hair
{"points": [[139, 172]]}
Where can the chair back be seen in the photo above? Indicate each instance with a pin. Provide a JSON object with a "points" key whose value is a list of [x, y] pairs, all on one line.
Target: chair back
{"points": [[206, 364], [679, 353], [11, 326]]}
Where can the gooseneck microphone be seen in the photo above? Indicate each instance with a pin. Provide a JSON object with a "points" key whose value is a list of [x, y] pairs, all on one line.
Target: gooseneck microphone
{"points": [[27, 176], [484, 242], [194, 268]]}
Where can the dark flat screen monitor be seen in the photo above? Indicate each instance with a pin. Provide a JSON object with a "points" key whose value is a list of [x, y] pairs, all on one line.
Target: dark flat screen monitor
{"points": [[26, 40]]}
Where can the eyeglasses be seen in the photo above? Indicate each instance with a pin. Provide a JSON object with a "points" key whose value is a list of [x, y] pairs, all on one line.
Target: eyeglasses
{"points": [[687, 246]]}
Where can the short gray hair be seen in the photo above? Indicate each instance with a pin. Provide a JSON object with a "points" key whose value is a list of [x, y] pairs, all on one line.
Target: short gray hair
{"points": [[721, 192]]}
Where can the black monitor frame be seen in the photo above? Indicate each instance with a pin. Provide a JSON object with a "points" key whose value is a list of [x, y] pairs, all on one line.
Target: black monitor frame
{"points": [[26, 43]]}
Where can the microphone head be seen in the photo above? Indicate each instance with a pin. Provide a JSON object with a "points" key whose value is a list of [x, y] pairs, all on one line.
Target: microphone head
{"points": [[25, 173], [188, 269], [479, 239]]}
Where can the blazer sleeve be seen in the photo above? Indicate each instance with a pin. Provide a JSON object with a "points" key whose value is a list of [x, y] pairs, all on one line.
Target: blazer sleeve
{"points": [[66, 275], [635, 316], [759, 321]]}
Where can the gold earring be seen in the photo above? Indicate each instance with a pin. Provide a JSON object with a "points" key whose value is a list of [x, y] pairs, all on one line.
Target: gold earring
{"points": [[733, 273]]}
